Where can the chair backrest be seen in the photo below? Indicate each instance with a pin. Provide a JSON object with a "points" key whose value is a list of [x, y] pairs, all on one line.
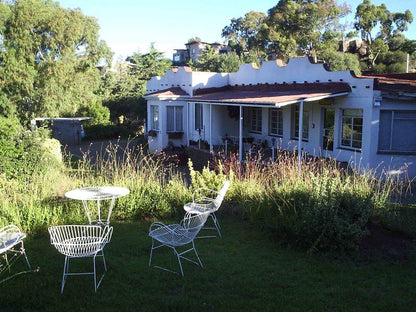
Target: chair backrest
{"points": [[80, 240], [193, 223], [221, 194]]}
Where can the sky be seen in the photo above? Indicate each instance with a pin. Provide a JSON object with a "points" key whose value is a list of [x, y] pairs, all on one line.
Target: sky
{"points": [[130, 26]]}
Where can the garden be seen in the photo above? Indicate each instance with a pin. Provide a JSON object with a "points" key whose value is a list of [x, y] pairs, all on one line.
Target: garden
{"points": [[292, 240]]}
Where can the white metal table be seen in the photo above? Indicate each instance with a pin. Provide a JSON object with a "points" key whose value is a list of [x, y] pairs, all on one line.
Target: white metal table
{"points": [[98, 194]]}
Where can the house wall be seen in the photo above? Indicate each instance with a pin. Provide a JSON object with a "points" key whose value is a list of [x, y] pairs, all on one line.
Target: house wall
{"points": [[298, 70]]}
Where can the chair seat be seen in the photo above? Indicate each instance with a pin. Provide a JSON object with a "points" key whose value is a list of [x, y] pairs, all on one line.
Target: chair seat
{"points": [[10, 239], [198, 207], [84, 246], [172, 234]]}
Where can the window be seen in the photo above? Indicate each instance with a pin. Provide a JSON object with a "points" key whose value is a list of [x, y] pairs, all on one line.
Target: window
{"points": [[255, 119], [395, 127], [276, 122], [199, 117], [154, 113], [305, 123], [328, 129], [352, 128], [174, 119]]}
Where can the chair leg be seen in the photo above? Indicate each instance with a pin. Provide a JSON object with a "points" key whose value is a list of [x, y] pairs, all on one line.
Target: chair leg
{"points": [[179, 259], [217, 225], [151, 252], [24, 253], [199, 260], [65, 273], [95, 275]]}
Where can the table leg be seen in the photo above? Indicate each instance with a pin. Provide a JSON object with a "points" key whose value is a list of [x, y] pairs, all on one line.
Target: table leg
{"points": [[110, 209], [84, 203]]}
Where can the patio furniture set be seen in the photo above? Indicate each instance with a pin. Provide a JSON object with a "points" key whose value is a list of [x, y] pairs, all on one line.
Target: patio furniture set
{"points": [[88, 241]]}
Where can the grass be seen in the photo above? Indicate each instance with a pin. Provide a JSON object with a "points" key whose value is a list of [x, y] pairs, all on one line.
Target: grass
{"points": [[246, 270]]}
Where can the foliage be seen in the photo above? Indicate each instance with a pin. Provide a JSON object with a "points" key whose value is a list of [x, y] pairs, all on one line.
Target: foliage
{"points": [[247, 33], [123, 89], [300, 27], [24, 152], [223, 63], [343, 61], [370, 17], [100, 114], [320, 208], [48, 59]]}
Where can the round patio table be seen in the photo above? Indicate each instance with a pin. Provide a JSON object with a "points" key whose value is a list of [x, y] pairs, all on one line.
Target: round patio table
{"points": [[98, 194]]}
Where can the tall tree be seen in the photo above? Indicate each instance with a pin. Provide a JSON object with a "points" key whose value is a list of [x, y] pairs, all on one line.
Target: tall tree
{"points": [[298, 27], [379, 27], [48, 59], [247, 33]]}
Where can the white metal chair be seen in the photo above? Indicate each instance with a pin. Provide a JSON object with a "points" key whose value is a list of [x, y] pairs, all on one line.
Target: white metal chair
{"points": [[207, 200], [81, 241], [177, 235], [10, 239]]}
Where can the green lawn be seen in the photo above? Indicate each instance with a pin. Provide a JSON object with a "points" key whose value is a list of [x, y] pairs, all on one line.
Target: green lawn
{"points": [[244, 271]]}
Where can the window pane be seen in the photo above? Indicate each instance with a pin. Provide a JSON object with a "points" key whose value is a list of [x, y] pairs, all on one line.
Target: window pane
{"points": [[352, 122], [384, 134], [178, 115], [170, 112], [198, 116], [401, 140]]}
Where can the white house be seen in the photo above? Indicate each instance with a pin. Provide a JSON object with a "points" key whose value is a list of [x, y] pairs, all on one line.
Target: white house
{"points": [[368, 122]]}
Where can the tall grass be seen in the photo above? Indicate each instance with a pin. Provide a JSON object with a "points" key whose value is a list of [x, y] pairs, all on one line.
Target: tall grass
{"points": [[322, 206]]}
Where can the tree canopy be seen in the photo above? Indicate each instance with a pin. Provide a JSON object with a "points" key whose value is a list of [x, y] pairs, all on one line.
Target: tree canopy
{"points": [[48, 59], [314, 28]]}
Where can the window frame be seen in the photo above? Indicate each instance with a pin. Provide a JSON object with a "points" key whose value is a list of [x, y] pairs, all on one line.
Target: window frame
{"points": [[352, 136], [176, 122], [255, 124], [199, 118], [155, 125], [295, 123], [279, 122], [391, 127]]}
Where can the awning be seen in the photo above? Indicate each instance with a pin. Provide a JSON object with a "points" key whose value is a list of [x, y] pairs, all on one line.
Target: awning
{"points": [[276, 95]]}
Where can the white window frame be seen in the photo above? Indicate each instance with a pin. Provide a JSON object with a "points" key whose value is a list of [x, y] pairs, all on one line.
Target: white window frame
{"points": [[199, 116], [295, 123], [154, 115], [353, 119], [395, 116], [255, 119], [177, 119], [278, 120]]}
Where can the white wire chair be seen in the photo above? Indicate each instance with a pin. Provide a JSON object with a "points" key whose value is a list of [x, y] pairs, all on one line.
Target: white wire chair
{"points": [[177, 235], [207, 200], [81, 241], [10, 239]]}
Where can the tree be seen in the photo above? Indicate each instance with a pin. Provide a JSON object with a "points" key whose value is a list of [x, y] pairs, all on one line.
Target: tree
{"points": [[123, 90], [48, 59], [298, 27], [380, 28], [247, 33]]}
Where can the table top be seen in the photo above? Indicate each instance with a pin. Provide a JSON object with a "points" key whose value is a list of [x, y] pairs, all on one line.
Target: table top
{"points": [[97, 193]]}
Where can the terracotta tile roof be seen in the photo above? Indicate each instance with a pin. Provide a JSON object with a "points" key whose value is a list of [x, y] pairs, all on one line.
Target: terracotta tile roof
{"points": [[174, 92], [405, 82], [270, 93]]}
